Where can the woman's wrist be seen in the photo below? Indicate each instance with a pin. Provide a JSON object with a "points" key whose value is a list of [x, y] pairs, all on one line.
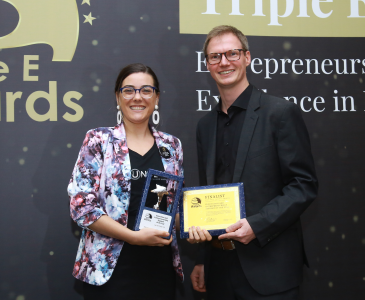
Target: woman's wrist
{"points": [[130, 237]]}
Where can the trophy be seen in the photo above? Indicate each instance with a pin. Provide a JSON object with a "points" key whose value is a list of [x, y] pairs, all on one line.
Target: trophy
{"points": [[160, 191], [155, 216]]}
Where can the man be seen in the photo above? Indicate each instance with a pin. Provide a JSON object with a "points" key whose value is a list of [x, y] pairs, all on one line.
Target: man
{"points": [[262, 141]]}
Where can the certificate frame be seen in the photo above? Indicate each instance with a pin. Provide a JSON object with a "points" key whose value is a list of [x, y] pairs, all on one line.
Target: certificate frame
{"points": [[143, 210], [239, 204]]}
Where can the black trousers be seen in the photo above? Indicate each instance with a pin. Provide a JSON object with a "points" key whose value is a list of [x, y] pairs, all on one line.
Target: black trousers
{"points": [[226, 280]]}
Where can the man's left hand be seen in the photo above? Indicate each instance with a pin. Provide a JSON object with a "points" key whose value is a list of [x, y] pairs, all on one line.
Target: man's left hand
{"points": [[240, 231]]}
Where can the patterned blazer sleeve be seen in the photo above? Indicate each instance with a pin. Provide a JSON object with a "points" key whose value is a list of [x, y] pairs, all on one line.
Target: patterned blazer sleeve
{"points": [[180, 158], [180, 165], [84, 185]]}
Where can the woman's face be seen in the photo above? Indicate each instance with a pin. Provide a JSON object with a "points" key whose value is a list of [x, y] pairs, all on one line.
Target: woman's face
{"points": [[137, 110]]}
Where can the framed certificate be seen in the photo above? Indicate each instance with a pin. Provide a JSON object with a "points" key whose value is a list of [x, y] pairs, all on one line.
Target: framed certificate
{"points": [[213, 207], [159, 201]]}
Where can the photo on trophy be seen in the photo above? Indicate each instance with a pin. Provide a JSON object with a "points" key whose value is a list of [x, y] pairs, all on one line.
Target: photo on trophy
{"points": [[158, 193]]}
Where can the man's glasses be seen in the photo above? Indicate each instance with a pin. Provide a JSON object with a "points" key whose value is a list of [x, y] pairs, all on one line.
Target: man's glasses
{"points": [[231, 55], [129, 92]]}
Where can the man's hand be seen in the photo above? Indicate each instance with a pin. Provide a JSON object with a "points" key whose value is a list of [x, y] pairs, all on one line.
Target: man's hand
{"points": [[197, 278], [197, 235], [240, 231]]}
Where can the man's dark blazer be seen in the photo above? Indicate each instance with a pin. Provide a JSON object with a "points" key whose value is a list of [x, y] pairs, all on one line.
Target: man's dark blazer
{"points": [[275, 163]]}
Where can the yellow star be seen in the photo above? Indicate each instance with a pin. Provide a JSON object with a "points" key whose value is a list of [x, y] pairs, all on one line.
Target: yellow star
{"points": [[85, 1], [89, 19]]}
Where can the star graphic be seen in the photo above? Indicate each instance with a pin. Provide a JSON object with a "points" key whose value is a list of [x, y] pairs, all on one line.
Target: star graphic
{"points": [[89, 19], [85, 1]]}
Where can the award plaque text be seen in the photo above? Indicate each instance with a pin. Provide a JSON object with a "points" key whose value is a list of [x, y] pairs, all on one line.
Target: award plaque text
{"points": [[213, 208]]}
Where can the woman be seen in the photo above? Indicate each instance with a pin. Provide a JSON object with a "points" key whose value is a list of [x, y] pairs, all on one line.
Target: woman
{"points": [[114, 261]]}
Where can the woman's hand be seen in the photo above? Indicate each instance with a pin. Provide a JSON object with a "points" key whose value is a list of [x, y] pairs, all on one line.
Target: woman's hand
{"points": [[150, 237], [197, 235], [145, 237]]}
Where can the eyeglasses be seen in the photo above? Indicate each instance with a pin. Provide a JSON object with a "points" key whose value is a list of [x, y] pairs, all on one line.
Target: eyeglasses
{"points": [[129, 92], [231, 55]]}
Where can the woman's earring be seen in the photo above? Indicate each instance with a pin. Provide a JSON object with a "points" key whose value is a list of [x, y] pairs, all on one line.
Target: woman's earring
{"points": [[119, 116], [156, 116]]}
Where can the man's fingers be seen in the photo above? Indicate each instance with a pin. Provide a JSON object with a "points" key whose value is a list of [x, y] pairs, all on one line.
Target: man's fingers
{"points": [[234, 227], [203, 290], [230, 235], [195, 282], [201, 282], [197, 279]]}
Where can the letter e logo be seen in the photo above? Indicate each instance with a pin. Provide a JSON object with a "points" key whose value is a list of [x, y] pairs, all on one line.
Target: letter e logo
{"points": [[52, 22]]}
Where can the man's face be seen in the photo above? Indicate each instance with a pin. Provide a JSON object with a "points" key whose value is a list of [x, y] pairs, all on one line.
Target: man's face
{"points": [[228, 74]]}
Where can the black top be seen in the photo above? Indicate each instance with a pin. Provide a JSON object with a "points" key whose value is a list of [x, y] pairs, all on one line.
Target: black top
{"points": [[140, 165], [229, 128]]}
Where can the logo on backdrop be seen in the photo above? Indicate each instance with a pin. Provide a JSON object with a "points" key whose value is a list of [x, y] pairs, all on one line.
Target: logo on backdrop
{"points": [[52, 22], [310, 18]]}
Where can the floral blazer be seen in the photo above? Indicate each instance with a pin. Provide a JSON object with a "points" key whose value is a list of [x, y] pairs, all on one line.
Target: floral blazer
{"points": [[101, 184]]}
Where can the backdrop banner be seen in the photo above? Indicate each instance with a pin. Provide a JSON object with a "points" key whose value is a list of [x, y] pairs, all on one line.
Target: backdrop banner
{"points": [[59, 60]]}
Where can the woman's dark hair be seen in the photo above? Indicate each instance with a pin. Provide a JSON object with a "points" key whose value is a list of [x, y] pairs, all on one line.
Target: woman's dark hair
{"points": [[135, 68]]}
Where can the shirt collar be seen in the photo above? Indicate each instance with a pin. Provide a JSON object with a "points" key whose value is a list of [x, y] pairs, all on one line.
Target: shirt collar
{"points": [[241, 101]]}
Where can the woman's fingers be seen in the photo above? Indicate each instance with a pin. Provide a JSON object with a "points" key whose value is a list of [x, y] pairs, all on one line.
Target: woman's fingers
{"points": [[197, 235], [207, 235], [191, 239], [153, 237]]}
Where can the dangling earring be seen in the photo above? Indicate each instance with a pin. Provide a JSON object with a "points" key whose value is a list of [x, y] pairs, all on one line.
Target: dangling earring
{"points": [[119, 116], [156, 116]]}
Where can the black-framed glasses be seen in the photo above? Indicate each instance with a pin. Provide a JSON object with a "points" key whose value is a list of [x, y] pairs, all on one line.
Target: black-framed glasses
{"points": [[129, 92], [231, 55]]}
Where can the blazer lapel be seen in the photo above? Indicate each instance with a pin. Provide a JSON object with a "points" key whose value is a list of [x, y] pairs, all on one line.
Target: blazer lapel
{"points": [[168, 163], [212, 132], [246, 134], [121, 152]]}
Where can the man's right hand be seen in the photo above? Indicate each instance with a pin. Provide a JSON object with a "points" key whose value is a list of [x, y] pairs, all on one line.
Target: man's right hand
{"points": [[197, 278]]}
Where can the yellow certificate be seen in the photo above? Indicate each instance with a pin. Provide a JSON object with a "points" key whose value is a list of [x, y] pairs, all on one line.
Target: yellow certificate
{"points": [[212, 208]]}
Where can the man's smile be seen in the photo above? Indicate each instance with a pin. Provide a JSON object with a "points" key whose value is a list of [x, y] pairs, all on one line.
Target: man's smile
{"points": [[225, 72]]}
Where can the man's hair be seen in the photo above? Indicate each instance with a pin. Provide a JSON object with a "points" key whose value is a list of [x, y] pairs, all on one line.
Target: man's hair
{"points": [[224, 29]]}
